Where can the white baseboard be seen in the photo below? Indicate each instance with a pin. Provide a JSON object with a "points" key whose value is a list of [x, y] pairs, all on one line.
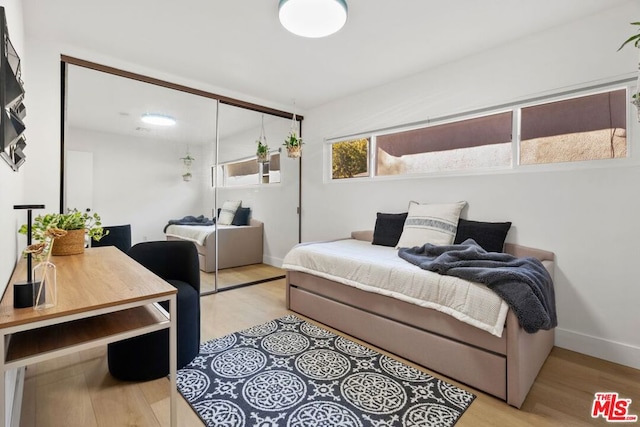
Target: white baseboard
{"points": [[273, 261], [612, 351]]}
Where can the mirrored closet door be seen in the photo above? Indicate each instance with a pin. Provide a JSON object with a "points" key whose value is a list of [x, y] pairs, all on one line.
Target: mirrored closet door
{"points": [[267, 190], [148, 174]]}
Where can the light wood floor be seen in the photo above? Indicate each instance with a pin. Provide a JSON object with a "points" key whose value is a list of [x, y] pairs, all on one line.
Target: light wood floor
{"points": [[230, 277], [78, 391]]}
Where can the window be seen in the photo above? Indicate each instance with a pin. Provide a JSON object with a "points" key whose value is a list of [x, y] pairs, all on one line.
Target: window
{"points": [[592, 127], [476, 143], [270, 172], [587, 127], [249, 172], [350, 159]]}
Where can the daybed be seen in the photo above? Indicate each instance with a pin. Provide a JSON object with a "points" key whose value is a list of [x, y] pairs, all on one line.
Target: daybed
{"points": [[504, 366], [238, 244]]}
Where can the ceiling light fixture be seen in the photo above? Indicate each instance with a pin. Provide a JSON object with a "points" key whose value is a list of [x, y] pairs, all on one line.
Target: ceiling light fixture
{"points": [[312, 18], [158, 119]]}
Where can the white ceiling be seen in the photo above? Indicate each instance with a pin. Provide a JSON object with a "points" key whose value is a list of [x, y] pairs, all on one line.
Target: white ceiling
{"points": [[240, 46]]}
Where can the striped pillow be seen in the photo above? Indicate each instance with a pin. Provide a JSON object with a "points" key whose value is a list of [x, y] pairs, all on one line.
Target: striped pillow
{"points": [[430, 223], [228, 211]]}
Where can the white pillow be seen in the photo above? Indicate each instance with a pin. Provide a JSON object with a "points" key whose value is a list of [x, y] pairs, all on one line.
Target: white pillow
{"points": [[430, 223], [228, 211]]}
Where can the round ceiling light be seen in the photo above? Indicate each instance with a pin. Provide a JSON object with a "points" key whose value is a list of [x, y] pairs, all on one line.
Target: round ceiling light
{"points": [[158, 119], [312, 18]]}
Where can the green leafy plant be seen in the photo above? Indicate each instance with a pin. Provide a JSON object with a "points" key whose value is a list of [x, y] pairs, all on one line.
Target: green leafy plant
{"points": [[635, 39], [72, 220], [187, 159], [263, 149], [293, 140]]}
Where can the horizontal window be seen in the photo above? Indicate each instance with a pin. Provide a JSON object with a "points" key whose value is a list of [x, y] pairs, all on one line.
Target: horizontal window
{"points": [[589, 127], [249, 172]]}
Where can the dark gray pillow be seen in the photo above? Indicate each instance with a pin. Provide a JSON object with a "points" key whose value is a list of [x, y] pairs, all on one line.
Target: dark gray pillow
{"points": [[489, 235], [388, 228], [241, 217]]}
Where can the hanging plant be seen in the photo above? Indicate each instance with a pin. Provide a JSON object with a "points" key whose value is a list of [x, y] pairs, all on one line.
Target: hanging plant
{"points": [[262, 153], [635, 39], [293, 144], [187, 160]]}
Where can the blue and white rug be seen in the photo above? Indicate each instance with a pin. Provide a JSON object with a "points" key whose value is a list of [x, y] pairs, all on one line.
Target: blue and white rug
{"points": [[290, 373]]}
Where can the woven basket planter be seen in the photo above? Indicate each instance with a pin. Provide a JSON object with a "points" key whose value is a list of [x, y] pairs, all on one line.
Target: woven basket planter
{"points": [[294, 152], [70, 244]]}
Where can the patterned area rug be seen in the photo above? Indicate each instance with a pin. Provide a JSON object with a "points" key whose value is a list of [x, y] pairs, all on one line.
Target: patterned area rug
{"points": [[288, 372]]}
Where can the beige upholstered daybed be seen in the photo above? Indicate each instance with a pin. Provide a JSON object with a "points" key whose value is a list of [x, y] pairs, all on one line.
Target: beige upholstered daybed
{"points": [[238, 245], [494, 355]]}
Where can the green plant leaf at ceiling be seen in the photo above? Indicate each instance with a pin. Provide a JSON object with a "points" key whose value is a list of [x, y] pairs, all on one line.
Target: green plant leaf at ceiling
{"points": [[635, 39]]}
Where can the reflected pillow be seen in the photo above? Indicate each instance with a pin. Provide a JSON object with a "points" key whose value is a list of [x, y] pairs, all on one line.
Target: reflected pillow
{"points": [[241, 217], [388, 228], [430, 223], [228, 211], [489, 235]]}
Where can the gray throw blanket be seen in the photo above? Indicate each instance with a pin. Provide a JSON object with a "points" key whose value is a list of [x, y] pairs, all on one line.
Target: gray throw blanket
{"points": [[190, 220], [523, 283]]}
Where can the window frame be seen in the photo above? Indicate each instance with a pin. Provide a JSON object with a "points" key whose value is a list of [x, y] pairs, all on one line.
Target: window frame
{"points": [[259, 181], [627, 84], [370, 173]]}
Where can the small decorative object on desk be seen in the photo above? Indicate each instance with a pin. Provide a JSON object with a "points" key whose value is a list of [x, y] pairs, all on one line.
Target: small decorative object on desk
{"points": [[44, 273], [23, 290], [44, 285]]}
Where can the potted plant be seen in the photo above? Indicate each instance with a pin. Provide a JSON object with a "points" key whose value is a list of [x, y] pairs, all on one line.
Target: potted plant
{"points": [[76, 224], [187, 160], [187, 176], [262, 152], [635, 39], [293, 144]]}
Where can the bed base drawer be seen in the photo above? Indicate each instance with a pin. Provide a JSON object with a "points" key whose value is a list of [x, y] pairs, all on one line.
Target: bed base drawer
{"points": [[475, 367]]}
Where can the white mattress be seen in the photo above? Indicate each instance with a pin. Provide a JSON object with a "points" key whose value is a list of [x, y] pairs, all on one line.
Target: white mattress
{"points": [[194, 233], [379, 269]]}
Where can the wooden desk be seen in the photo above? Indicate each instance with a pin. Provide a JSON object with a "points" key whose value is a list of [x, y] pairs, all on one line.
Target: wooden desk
{"points": [[102, 296]]}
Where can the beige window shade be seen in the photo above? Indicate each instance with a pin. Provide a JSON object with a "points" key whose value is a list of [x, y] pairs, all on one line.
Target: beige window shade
{"points": [[584, 114], [248, 167], [493, 129]]}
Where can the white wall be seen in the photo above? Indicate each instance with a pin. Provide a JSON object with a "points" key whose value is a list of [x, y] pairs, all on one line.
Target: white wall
{"points": [[588, 217], [138, 181], [11, 193]]}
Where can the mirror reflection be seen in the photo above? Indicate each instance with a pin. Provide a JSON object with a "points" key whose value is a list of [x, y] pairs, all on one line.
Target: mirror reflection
{"points": [[147, 176], [265, 188]]}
